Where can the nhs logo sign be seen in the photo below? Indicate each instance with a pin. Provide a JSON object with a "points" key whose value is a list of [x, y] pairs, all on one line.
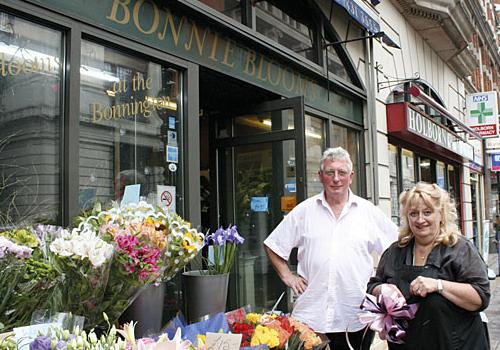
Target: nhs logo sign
{"points": [[482, 113], [480, 98]]}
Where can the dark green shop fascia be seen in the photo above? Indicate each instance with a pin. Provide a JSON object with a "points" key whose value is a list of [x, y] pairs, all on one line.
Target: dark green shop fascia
{"points": [[169, 29]]}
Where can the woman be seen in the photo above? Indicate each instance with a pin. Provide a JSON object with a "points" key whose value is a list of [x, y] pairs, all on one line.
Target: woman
{"points": [[433, 265]]}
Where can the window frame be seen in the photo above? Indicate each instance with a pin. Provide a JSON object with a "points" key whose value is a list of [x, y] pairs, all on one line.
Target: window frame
{"points": [[73, 32]]}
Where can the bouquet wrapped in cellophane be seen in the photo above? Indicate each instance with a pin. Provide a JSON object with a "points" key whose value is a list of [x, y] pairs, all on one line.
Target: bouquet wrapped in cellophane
{"points": [[275, 331], [27, 278], [83, 261], [151, 245]]}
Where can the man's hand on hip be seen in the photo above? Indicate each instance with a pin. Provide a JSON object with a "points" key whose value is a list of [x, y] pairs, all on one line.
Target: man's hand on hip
{"points": [[297, 283]]}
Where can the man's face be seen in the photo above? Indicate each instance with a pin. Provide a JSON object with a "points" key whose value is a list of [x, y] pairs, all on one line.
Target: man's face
{"points": [[336, 178]]}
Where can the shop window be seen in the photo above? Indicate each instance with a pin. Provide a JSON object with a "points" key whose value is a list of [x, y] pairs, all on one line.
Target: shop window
{"points": [[394, 182], [440, 174], [288, 26], [453, 181], [252, 124], [476, 208], [453, 178], [425, 170], [130, 123], [315, 144], [230, 8], [407, 169], [31, 58], [349, 140]]}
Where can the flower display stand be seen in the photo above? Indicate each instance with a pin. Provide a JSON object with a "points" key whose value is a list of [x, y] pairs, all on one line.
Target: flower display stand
{"points": [[204, 294]]}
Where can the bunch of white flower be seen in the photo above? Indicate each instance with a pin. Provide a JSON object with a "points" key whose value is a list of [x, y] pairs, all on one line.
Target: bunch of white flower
{"points": [[82, 246]]}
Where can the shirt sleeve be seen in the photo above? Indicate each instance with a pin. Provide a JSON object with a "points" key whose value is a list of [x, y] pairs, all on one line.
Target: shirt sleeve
{"points": [[387, 231], [286, 235], [470, 268]]}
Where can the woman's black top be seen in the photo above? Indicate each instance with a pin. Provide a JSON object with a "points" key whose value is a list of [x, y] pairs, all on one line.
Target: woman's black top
{"points": [[438, 324]]}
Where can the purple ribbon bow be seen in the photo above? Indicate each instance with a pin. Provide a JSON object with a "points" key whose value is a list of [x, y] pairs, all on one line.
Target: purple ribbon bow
{"points": [[383, 312]]}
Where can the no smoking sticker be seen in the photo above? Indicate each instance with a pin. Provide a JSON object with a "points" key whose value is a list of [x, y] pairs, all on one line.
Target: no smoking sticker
{"points": [[166, 197]]}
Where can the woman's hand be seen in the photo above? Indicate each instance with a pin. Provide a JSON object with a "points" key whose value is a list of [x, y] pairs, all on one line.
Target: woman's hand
{"points": [[382, 288], [460, 294], [422, 286]]}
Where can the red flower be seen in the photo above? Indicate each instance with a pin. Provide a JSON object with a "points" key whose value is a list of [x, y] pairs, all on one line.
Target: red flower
{"points": [[245, 329]]}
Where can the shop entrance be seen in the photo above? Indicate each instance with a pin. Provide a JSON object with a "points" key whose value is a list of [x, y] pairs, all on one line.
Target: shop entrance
{"points": [[255, 173]]}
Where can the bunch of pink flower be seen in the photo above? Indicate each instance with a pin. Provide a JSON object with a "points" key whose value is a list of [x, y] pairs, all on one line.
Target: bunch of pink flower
{"points": [[142, 259], [150, 246]]}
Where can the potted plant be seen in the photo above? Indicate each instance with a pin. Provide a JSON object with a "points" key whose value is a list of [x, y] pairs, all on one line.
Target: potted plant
{"points": [[206, 290]]}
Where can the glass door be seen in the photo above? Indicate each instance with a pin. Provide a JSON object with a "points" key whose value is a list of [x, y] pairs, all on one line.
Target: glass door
{"points": [[260, 167]]}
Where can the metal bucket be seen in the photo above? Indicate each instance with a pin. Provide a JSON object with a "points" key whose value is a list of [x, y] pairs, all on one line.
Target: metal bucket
{"points": [[204, 294]]}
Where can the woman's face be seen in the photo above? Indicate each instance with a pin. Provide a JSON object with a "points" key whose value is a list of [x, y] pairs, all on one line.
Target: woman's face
{"points": [[424, 221]]}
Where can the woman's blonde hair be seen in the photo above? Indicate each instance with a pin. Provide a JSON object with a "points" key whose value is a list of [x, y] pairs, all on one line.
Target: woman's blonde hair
{"points": [[438, 199]]}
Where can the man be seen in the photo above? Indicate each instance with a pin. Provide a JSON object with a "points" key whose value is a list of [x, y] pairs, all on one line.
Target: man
{"points": [[336, 233]]}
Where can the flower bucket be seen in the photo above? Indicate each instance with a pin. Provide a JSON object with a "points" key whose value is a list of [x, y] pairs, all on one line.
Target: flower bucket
{"points": [[146, 310], [204, 294]]}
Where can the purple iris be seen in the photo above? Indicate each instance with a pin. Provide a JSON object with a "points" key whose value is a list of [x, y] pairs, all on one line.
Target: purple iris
{"points": [[221, 236], [233, 235], [41, 343], [61, 344]]}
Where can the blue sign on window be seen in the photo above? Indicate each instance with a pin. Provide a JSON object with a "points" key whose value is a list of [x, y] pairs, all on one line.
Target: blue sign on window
{"points": [[259, 204], [495, 162]]}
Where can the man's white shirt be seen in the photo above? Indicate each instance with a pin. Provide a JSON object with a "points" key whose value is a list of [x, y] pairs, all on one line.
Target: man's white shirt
{"points": [[334, 257]]}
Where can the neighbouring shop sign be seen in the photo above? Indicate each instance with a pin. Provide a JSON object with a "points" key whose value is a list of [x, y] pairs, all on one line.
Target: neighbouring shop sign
{"points": [[482, 113], [432, 131], [167, 29], [360, 14], [495, 162], [408, 123]]}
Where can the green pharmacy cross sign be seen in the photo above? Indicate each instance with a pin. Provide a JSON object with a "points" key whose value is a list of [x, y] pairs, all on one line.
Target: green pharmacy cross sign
{"points": [[481, 112]]}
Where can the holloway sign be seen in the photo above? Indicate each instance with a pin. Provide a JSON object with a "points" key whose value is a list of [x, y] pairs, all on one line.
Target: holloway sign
{"points": [[426, 128], [482, 113]]}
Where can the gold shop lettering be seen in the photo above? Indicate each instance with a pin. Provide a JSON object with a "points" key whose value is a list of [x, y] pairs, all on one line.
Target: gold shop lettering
{"points": [[20, 66], [185, 34]]}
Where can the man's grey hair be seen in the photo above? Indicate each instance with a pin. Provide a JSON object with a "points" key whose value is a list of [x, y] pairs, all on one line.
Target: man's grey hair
{"points": [[335, 154]]}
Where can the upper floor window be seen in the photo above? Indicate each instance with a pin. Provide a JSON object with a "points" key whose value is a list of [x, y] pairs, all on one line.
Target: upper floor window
{"points": [[231, 8], [287, 26]]}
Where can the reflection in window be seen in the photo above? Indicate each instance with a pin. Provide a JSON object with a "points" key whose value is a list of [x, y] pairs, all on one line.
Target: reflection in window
{"points": [[407, 169], [315, 143], [231, 8], [425, 169], [30, 122], [349, 140], [440, 174], [453, 187], [245, 125], [129, 126], [335, 64], [394, 184], [286, 29]]}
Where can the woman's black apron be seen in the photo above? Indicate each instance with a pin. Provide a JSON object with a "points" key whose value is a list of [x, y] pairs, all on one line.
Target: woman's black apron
{"points": [[438, 324]]}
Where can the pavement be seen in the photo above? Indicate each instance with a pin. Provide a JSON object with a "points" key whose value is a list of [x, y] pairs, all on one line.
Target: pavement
{"points": [[492, 312]]}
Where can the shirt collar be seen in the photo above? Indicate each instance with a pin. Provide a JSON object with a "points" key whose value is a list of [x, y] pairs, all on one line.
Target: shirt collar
{"points": [[352, 200]]}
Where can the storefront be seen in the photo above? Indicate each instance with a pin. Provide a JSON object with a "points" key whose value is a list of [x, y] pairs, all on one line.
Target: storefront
{"points": [[426, 143], [216, 102]]}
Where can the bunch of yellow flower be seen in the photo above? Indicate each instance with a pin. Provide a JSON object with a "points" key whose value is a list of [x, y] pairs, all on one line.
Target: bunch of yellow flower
{"points": [[277, 332], [265, 336]]}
